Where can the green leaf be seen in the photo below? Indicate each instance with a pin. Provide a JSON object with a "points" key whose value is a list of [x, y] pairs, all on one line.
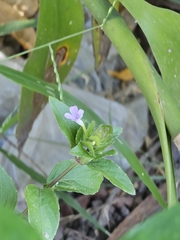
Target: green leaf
{"points": [[113, 173], [105, 134], [30, 171], [16, 26], [164, 42], [30, 82], [66, 19], [79, 135], [89, 130], [14, 227], [89, 147], [79, 151], [68, 127], [80, 179], [116, 132], [43, 211], [164, 108], [74, 204], [8, 192], [9, 121], [161, 226], [106, 153]]}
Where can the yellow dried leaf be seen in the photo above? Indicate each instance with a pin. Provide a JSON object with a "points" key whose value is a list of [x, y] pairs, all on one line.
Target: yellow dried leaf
{"points": [[124, 75]]}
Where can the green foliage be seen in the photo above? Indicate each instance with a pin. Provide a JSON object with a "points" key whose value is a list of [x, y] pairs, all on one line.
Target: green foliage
{"points": [[69, 100], [113, 173], [16, 26], [162, 226], [14, 227], [9, 121], [43, 211], [67, 198], [56, 20], [30, 171], [146, 77], [80, 179], [30, 82], [90, 143], [8, 192], [68, 128], [164, 42], [161, 28], [74, 204], [80, 151], [90, 146]]}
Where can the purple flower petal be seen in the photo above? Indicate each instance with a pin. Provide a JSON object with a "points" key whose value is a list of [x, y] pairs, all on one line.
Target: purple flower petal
{"points": [[79, 121], [80, 113], [73, 110], [68, 116], [75, 115]]}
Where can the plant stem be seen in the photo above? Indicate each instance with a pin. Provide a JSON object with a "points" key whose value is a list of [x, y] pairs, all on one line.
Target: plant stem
{"points": [[56, 180], [169, 169]]}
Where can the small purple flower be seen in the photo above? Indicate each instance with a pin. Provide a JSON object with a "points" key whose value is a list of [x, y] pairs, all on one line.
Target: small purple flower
{"points": [[75, 115]]}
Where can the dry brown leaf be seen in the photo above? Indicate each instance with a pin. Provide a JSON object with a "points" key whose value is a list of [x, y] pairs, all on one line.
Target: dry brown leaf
{"points": [[25, 8], [25, 37], [124, 75]]}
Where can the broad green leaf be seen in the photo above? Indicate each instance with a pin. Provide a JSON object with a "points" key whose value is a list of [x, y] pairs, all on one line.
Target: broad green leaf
{"points": [[43, 211], [30, 171], [161, 27], [161, 226], [16, 26], [55, 21], [14, 227], [68, 127], [74, 204], [80, 179], [113, 173], [8, 192]]}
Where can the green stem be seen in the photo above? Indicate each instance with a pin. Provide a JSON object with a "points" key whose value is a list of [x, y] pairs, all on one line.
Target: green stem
{"points": [[56, 180], [169, 169], [49, 43]]}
